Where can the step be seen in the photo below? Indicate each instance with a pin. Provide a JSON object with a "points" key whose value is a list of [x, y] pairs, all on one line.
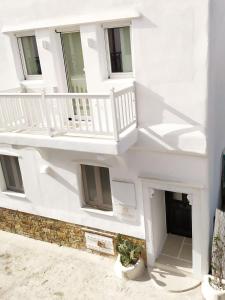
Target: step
{"points": [[172, 281], [174, 264]]}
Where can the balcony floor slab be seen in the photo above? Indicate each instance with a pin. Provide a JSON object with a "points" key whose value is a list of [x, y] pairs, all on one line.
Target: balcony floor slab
{"points": [[72, 143]]}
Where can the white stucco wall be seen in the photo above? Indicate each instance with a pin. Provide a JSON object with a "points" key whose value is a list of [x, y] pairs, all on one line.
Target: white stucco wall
{"points": [[8, 78], [216, 102], [169, 45], [158, 208], [169, 48], [58, 193]]}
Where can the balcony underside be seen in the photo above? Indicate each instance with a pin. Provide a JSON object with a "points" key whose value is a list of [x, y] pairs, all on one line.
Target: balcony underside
{"points": [[73, 143]]}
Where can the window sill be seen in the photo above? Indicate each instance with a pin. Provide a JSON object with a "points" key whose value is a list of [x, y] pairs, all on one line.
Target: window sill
{"points": [[98, 211], [33, 77], [36, 84], [38, 80], [20, 196], [117, 83], [121, 75]]}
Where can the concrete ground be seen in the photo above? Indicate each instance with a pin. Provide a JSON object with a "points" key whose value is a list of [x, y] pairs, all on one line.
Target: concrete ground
{"points": [[31, 270]]}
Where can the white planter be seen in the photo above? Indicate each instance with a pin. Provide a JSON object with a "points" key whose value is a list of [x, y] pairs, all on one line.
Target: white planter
{"points": [[130, 272], [209, 293]]}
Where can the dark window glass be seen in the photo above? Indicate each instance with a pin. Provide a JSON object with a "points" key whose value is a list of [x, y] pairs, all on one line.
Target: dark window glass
{"points": [[31, 57], [105, 184], [120, 49], [91, 191]]}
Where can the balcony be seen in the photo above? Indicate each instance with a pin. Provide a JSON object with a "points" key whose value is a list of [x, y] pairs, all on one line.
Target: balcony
{"points": [[99, 123]]}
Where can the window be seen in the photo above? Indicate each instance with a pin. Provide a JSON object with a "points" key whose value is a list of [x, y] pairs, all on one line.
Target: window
{"points": [[29, 56], [119, 48], [96, 184], [12, 174]]}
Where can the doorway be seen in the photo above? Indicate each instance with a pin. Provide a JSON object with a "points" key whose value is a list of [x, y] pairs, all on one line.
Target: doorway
{"points": [[75, 75], [156, 227], [177, 248], [171, 218], [74, 62]]}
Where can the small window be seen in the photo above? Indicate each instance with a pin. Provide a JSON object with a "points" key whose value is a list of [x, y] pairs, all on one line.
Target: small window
{"points": [[96, 184], [29, 56], [119, 46], [12, 173]]}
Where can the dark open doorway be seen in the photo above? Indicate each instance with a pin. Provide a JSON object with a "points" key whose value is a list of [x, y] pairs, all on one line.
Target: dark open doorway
{"points": [[178, 214]]}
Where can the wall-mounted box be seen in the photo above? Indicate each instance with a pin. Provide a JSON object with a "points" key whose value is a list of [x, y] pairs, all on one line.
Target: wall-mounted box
{"points": [[124, 200], [99, 243], [124, 193]]}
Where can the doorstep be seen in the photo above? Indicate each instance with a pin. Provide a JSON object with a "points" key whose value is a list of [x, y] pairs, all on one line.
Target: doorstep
{"points": [[172, 281], [173, 268]]}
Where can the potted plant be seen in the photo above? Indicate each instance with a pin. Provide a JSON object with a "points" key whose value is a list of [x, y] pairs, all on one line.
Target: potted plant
{"points": [[213, 286], [129, 263]]}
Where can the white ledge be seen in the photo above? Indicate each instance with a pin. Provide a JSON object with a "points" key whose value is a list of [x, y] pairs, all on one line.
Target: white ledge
{"points": [[98, 211], [73, 143], [73, 21], [20, 196]]}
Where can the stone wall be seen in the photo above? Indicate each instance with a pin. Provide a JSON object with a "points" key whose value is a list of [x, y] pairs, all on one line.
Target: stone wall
{"points": [[218, 244], [51, 230]]}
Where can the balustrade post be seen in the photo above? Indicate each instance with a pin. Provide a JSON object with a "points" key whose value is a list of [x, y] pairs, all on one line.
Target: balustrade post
{"points": [[135, 102], [47, 113], [114, 115]]}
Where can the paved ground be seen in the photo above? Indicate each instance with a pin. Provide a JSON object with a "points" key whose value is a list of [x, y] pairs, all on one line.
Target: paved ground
{"points": [[31, 270]]}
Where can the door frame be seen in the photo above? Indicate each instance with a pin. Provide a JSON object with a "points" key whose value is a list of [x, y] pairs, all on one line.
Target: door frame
{"points": [[200, 263]]}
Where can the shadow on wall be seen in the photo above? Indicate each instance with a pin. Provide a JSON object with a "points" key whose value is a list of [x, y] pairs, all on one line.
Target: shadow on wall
{"points": [[145, 22], [49, 161], [182, 133], [68, 161], [61, 180]]}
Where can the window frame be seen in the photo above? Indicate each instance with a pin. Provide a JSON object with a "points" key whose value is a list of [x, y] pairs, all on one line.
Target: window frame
{"points": [[22, 57], [112, 75], [98, 204], [8, 188]]}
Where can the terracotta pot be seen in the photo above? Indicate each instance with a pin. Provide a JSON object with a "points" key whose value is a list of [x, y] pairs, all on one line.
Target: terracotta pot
{"points": [[210, 293], [130, 272]]}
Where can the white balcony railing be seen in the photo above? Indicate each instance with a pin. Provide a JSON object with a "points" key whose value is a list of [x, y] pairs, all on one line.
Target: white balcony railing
{"points": [[90, 115]]}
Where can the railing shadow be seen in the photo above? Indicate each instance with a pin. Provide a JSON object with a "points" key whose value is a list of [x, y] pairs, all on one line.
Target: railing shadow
{"points": [[152, 118]]}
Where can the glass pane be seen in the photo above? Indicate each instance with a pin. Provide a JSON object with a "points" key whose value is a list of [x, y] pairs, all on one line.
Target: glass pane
{"points": [[126, 49], [105, 183], [8, 172], [31, 56], [12, 173], [120, 49], [89, 173], [74, 63], [115, 49], [20, 182]]}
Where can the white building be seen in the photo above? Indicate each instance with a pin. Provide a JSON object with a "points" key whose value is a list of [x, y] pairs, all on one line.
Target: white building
{"points": [[148, 119]]}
